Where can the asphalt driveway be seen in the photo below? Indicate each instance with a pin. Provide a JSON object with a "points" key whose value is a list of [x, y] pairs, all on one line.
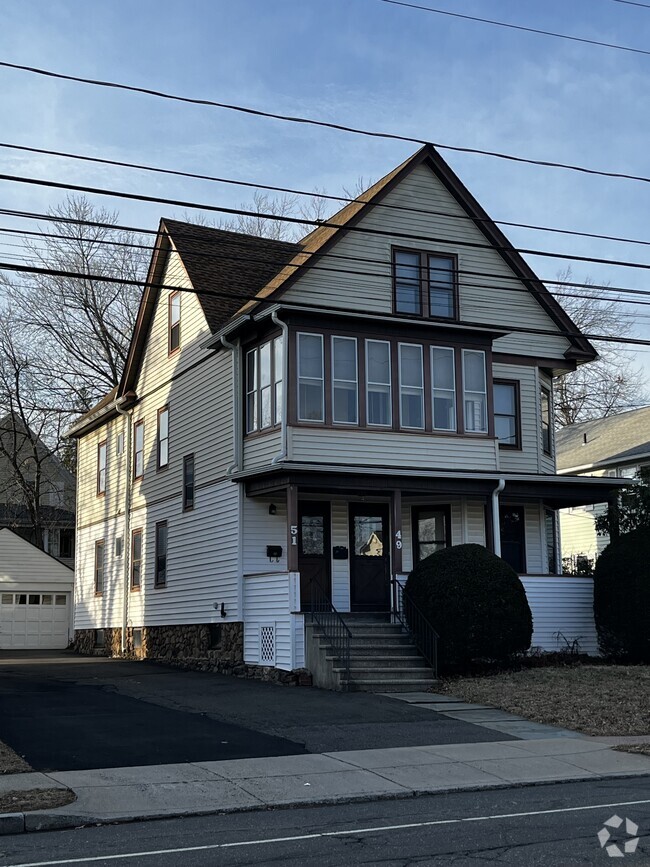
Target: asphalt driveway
{"points": [[65, 712]]}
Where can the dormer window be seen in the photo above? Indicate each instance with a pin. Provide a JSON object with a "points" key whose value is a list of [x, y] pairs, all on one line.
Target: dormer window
{"points": [[424, 284], [174, 322]]}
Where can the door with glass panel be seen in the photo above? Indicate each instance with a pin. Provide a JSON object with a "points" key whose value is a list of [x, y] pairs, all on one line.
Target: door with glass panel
{"points": [[314, 555], [369, 557], [431, 530]]}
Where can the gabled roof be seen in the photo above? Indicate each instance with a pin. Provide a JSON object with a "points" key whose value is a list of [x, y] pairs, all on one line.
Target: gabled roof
{"points": [[613, 440]]}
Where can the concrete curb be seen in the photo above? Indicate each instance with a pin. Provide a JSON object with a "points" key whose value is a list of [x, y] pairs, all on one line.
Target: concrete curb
{"points": [[48, 820]]}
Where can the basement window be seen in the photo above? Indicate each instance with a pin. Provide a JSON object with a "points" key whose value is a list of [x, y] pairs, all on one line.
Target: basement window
{"points": [[100, 638]]}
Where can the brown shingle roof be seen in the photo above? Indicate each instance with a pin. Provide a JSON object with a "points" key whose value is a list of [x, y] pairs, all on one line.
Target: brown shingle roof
{"points": [[226, 262]]}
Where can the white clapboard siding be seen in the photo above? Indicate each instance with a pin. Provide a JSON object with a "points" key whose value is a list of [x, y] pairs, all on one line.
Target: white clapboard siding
{"points": [[578, 532], [24, 565], [564, 605], [475, 521], [98, 611], [526, 459], [536, 555], [373, 448], [261, 529], [366, 292], [268, 603], [260, 450], [340, 568]]}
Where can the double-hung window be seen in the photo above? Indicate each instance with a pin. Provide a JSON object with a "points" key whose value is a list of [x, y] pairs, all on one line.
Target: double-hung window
{"points": [[378, 383], [443, 382], [162, 438], [474, 391], [345, 381], [101, 468], [99, 565], [160, 574], [424, 284], [411, 386], [547, 435], [174, 322], [264, 386], [136, 559], [311, 383], [138, 450], [506, 413]]}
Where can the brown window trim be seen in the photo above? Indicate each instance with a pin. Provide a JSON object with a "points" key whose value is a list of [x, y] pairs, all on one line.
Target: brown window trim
{"points": [[160, 467], [252, 347], [176, 349], [156, 583], [415, 513], [189, 508], [517, 385], [103, 444], [543, 390], [99, 542], [394, 340], [136, 425], [135, 588], [424, 284]]}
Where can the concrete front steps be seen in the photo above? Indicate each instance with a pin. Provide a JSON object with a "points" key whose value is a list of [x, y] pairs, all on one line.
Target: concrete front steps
{"points": [[383, 658]]}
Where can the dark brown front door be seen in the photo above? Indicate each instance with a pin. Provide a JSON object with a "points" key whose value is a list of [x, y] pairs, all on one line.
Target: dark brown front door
{"points": [[314, 554], [369, 557]]}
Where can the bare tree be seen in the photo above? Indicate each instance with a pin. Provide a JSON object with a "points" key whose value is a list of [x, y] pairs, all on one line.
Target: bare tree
{"points": [[81, 328], [610, 384]]}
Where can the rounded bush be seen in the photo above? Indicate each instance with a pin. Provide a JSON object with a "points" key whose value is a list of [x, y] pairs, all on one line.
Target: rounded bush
{"points": [[476, 603], [622, 597]]}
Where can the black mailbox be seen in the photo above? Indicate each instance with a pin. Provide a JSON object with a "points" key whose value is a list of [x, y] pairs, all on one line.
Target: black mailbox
{"points": [[274, 552], [339, 552]]}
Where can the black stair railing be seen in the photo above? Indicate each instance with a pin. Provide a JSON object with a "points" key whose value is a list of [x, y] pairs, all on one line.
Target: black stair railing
{"points": [[332, 625], [410, 616]]}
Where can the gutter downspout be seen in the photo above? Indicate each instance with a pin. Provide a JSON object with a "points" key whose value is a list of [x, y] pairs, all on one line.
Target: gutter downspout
{"points": [[126, 546], [236, 402], [496, 520], [282, 455]]}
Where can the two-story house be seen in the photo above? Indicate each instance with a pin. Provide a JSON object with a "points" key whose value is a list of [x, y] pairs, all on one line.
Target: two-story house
{"points": [[616, 447], [298, 424]]}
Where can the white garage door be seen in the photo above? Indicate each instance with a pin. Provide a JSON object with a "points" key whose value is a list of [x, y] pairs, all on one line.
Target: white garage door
{"points": [[34, 621]]}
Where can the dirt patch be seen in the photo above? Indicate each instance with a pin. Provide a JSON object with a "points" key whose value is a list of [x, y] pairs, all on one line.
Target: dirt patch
{"points": [[35, 799], [594, 699], [11, 762], [643, 749]]}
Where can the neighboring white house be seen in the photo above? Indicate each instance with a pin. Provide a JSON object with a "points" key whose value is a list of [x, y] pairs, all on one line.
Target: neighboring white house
{"points": [[387, 392], [35, 597], [614, 447]]}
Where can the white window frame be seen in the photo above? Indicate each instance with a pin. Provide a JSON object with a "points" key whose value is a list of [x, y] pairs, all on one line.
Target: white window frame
{"points": [[162, 442], [138, 453], [467, 393], [277, 353], [370, 382], [355, 381], [411, 387], [252, 423], [444, 391], [311, 379], [102, 466]]}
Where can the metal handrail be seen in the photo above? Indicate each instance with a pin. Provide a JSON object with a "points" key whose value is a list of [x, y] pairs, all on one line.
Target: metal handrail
{"points": [[333, 626], [411, 617]]}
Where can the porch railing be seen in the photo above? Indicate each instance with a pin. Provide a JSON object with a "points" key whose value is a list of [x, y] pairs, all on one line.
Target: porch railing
{"points": [[333, 626], [411, 618]]}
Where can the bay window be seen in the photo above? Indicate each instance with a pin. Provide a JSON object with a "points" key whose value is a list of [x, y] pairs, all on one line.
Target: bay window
{"points": [[411, 385], [311, 381], [547, 436], [378, 383], [345, 381], [264, 386], [443, 381], [474, 391]]}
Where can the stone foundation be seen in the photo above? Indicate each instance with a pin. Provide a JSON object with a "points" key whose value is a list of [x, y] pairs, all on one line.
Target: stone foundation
{"points": [[215, 647]]}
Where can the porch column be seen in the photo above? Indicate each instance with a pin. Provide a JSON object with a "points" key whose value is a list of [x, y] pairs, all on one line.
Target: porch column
{"points": [[292, 528], [396, 521]]}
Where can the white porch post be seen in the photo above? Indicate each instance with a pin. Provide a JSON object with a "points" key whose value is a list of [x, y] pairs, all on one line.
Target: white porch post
{"points": [[496, 519]]}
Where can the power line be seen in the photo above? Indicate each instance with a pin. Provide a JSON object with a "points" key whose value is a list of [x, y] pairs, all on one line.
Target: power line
{"points": [[321, 123], [633, 3], [316, 195], [520, 27], [316, 223]]}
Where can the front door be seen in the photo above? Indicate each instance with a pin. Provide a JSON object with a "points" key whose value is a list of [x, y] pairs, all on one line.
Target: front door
{"points": [[369, 557], [314, 554], [513, 537]]}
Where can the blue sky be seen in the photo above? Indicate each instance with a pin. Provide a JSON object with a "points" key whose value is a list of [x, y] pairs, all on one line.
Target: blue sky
{"points": [[357, 62]]}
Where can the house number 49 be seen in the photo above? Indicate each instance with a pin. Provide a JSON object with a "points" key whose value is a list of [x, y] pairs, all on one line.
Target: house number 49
{"points": [[398, 540]]}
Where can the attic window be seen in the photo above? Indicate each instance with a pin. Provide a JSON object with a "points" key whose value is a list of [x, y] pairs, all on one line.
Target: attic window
{"points": [[424, 284], [174, 316]]}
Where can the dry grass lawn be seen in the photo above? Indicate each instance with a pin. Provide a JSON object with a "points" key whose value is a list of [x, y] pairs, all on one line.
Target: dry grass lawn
{"points": [[594, 699], [10, 762], [35, 799]]}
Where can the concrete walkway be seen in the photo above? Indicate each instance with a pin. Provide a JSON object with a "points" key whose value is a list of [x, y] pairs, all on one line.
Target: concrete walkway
{"points": [[159, 791]]}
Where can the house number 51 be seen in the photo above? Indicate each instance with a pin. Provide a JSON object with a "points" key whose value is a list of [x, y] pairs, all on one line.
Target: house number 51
{"points": [[294, 534]]}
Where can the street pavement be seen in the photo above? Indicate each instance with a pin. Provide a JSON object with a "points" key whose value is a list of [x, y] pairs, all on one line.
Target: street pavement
{"points": [[555, 825]]}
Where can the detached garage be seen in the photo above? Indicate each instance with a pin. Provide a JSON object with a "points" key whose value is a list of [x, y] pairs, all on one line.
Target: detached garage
{"points": [[35, 597]]}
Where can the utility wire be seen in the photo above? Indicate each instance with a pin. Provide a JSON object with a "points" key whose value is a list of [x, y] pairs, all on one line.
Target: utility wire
{"points": [[139, 197], [633, 3], [520, 27], [322, 123], [316, 195]]}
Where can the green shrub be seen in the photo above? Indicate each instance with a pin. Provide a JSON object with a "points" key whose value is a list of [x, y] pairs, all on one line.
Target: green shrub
{"points": [[622, 597], [476, 603]]}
